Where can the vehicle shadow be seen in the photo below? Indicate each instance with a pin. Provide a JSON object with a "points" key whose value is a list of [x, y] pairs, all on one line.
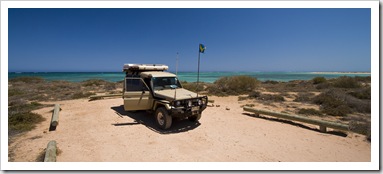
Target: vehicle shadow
{"points": [[338, 133], [147, 119]]}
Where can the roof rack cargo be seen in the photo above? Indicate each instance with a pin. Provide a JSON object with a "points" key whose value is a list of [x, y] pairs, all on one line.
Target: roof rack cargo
{"points": [[144, 67]]}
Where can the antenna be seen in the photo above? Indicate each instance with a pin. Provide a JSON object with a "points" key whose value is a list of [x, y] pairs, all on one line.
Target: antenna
{"points": [[175, 90], [177, 64]]}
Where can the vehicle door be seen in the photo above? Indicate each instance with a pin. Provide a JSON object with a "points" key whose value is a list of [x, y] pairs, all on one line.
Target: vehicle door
{"points": [[136, 95]]}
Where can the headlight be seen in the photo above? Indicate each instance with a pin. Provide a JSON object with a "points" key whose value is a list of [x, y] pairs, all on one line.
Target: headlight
{"points": [[199, 102], [189, 103], [177, 103]]}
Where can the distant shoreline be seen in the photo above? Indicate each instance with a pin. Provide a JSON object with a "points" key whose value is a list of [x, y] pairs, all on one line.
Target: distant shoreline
{"points": [[341, 72]]}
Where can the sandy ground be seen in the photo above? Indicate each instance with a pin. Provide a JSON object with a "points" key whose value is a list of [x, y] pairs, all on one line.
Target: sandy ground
{"points": [[96, 131]]}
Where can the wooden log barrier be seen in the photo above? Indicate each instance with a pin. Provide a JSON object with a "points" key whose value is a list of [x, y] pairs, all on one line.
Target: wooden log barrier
{"points": [[322, 123], [55, 115], [50, 152]]}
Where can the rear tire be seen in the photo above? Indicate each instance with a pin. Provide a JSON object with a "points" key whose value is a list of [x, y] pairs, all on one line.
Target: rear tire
{"points": [[194, 118], [163, 119]]}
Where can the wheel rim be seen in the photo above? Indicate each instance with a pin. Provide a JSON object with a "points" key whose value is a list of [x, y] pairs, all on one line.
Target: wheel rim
{"points": [[160, 118]]}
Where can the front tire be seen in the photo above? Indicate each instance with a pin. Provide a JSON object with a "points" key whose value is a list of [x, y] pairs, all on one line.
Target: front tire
{"points": [[195, 118], [163, 119]]}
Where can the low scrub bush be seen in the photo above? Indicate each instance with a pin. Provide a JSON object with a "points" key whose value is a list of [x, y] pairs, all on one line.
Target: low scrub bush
{"points": [[363, 79], [361, 127], [78, 95], [346, 82], [318, 80], [27, 79], [14, 92], [192, 86], [269, 97], [304, 97], [324, 85], [362, 93], [309, 111], [233, 85], [20, 117], [270, 82], [24, 121], [331, 104], [93, 82], [254, 94]]}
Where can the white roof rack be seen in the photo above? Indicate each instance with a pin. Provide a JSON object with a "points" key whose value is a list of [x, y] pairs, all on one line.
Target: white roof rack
{"points": [[145, 67]]}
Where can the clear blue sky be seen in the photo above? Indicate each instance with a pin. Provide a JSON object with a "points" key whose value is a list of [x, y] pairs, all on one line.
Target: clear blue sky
{"points": [[236, 39]]}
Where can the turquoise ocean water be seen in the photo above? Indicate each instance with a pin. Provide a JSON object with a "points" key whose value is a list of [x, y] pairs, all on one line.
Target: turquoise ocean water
{"points": [[183, 76]]}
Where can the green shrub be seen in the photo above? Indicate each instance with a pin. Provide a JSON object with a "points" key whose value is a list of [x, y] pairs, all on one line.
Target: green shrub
{"points": [[346, 82], [309, 111], [318, 80], [233, 85]]}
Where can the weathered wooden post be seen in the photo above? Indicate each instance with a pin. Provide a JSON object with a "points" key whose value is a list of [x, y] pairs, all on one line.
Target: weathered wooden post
{"points": [[50, 152], [55, 115], [322, 123]]}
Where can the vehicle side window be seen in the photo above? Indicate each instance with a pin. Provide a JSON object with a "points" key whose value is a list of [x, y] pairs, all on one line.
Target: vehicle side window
{"points": [[135, 85]]}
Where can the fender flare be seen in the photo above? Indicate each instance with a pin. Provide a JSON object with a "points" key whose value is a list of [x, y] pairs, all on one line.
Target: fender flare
{"points": [[160, 103]]}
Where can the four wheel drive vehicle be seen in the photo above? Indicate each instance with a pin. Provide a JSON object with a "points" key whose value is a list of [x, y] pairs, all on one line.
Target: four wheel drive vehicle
{"points": [[150, 87]]}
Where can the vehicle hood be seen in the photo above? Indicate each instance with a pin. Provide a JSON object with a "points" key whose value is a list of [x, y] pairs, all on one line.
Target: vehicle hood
{"points": [[180, 94]]}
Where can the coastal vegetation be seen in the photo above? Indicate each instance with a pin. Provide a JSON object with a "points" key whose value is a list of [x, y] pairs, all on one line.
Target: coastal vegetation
{"points": [[345, 99]]}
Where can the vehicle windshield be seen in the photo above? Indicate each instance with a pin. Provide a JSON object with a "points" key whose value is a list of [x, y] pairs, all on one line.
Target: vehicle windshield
{"points": [[160, 83]]}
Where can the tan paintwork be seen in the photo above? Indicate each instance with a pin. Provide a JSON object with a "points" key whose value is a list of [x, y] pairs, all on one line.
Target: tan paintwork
{"points": [[137, 100], [175, 94]]}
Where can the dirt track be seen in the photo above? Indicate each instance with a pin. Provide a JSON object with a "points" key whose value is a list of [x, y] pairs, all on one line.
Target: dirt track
{"points": [[102, 131]]}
